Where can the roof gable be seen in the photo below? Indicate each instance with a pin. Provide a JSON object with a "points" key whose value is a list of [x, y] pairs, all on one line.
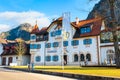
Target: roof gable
{"points": [[95, 30]]}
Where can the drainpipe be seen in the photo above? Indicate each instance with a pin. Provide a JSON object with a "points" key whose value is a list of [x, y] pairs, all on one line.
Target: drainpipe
{"points": [[98, 54]]}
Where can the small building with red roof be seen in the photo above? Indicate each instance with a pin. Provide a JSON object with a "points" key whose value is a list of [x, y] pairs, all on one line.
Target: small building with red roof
{"points": [[10, 57]]}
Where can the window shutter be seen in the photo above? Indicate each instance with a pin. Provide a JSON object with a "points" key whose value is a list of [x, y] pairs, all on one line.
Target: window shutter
{"points": [[90, 41], [65, 43]]}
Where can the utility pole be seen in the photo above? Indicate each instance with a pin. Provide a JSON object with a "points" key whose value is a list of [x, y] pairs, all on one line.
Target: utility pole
{"points": [[113, 25]]}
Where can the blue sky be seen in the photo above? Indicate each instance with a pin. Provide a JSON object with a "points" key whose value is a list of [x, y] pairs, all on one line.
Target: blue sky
{"points": [[15, 12]]}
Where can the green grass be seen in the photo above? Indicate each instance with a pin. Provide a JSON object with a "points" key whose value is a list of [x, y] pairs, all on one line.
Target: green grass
{"points": [[97, 71]]}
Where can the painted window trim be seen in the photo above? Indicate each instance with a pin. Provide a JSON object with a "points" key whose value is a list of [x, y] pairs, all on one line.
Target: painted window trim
{"points": [[55, 59], [48, 60], [65, 43], [87, 41], [39, 58], [56, 44], [86, 29], [77, 57], [48, 45], [75, 42], [33, 37]]}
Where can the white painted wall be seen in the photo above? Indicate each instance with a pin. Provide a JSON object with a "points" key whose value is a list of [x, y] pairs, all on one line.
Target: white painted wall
{"points": [[81, 48], [104, 48], [26, 59]]}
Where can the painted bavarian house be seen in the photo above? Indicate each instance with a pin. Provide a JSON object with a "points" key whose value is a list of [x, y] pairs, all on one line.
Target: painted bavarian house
{"points": [[83, 46]]}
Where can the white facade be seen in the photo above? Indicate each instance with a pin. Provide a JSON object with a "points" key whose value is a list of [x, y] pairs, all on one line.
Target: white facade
{"points": [[69, 55], [107, 54], [14, 60]]}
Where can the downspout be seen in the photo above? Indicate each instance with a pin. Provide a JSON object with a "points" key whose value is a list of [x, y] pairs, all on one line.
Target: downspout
{"points": [[98, 54]]}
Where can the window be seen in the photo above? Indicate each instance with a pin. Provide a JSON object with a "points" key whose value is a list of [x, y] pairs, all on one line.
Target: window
{"points": [[41, 36], [31, 46], [87, 41], [75, 42], [82, 57], [33, 37], [45, 37], [88, 57], [48, 58], [86, 29], [75, 58], [55, 58], [35, 46], [65, 43], [38, 46], [58, 32], [38, 58], [52, 34], [55, 44], [48, 45], [110, 56]]}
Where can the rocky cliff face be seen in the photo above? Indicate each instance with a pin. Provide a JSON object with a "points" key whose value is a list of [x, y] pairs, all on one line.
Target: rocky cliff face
{"points": [[22, 31], [103, 9]]}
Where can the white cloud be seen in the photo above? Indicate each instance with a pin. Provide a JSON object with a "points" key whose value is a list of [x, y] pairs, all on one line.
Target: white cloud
{"points": [[9, 20], [4, 27]]}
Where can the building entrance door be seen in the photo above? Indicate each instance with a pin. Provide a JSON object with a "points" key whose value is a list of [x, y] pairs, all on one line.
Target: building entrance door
{"points": [[9, 60], [65, 59], [3, 61]]}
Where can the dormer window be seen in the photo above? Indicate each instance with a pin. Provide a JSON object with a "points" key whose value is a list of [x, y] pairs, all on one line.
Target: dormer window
{"points": [[86, 29]]}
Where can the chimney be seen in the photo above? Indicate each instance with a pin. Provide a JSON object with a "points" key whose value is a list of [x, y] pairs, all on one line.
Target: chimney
{"points": [[77, 20]]}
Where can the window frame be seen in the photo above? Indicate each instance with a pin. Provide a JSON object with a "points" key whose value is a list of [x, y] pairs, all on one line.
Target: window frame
{"points": [[75, 42], [76, 60], [56, 44], [86, 29], [54, 59], [65, 43], [33, 37], [82, 59], [48, 59], [39, 58], [48, 45], [87, 41], [88, 57]]}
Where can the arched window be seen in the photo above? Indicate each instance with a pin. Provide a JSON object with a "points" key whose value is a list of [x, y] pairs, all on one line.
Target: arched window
{"points": [[38, 58], [110, 56], [75, 58], [88, 57], [82, 57], [55, 58]]}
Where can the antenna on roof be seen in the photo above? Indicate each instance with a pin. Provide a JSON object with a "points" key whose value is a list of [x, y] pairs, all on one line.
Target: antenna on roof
{"points": [[36, 21]]}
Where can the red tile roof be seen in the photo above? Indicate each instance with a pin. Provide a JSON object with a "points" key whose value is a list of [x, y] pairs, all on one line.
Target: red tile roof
{"points": [[96, 27], [84, 22], [43, 31]]}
